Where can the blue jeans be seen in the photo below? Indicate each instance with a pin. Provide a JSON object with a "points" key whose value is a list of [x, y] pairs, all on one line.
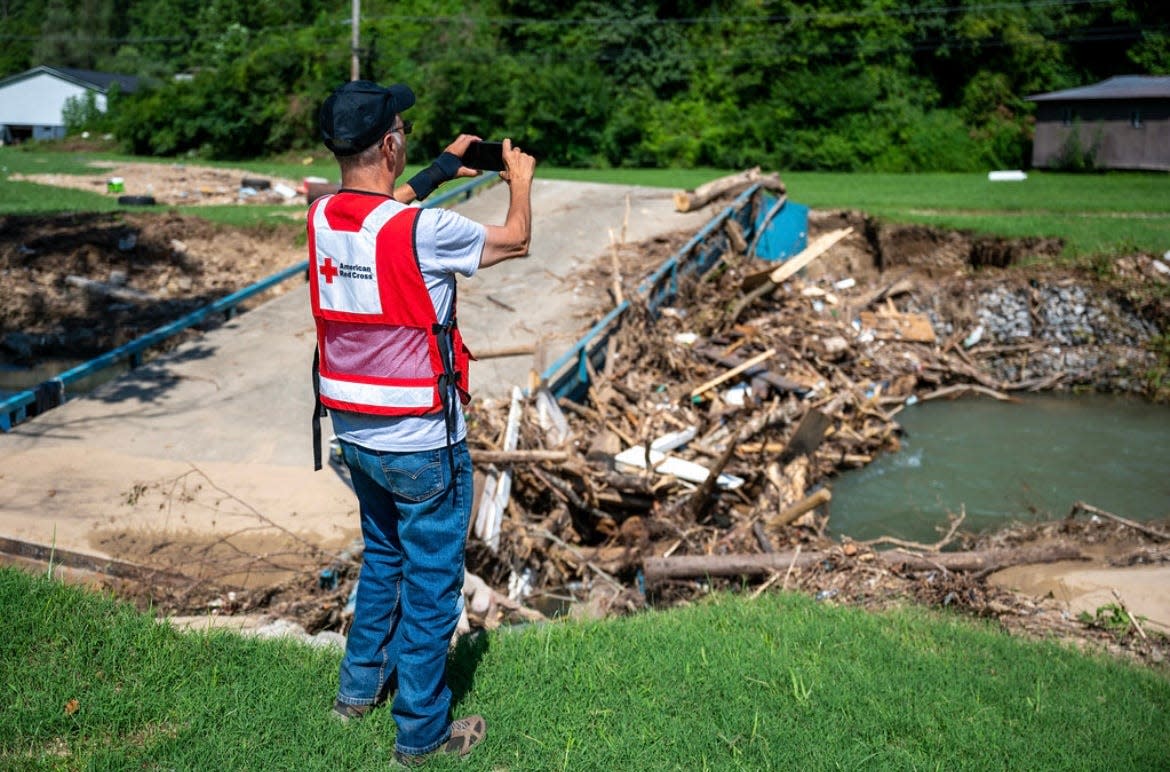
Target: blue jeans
{"points": [[414, 522]]}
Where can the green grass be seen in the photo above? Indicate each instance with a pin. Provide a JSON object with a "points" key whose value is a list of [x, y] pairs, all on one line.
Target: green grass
{"points": [[1112, 213], [778, 683]]}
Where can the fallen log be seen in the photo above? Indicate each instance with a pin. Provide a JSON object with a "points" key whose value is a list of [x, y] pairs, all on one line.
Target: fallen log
{"points": [[658, 569], [687, 201]]}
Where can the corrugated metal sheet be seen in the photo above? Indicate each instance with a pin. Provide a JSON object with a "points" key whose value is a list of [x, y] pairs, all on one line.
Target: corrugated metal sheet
{"points": [[1120, 87]]}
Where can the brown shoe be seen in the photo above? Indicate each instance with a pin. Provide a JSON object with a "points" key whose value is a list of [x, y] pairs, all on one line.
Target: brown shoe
{"points": [[343, 711], [466, 733]]}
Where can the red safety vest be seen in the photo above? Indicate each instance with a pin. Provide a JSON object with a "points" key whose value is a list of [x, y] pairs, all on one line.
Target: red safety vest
{"points": [[380, 344]]}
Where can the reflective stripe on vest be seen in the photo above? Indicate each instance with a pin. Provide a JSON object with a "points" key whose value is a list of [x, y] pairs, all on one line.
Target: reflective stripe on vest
{"points": [[357, 394]]}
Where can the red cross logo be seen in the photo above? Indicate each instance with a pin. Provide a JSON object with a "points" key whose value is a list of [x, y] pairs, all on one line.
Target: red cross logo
{"points": [[328, 270]]}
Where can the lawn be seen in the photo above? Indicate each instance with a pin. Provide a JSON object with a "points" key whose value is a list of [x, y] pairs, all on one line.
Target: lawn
{"points": [[782, 682]]}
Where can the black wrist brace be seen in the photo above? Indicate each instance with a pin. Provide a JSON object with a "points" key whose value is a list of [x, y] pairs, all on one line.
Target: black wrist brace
{"points": [[442, 169]]}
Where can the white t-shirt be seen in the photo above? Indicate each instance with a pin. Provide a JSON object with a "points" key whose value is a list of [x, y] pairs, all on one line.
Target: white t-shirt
{"points": [[448, 243]]}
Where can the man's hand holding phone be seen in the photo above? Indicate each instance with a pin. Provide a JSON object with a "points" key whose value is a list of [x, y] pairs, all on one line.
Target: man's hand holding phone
{"points": [[478, 155], [518, 165]]}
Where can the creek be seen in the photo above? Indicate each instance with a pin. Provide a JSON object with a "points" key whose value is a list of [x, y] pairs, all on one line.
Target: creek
{"points": [[1005, 462]]}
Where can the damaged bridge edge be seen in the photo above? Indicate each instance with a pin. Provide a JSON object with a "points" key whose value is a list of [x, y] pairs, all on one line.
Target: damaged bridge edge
{"points": [[48, 394], [569, 377]]}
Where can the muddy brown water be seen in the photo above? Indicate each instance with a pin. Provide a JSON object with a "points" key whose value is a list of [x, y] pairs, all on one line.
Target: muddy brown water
{"points": [[1004, 462]]}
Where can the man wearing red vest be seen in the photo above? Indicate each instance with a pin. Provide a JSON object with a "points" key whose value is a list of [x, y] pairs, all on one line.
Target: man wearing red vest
{"points": [[393, 373]]}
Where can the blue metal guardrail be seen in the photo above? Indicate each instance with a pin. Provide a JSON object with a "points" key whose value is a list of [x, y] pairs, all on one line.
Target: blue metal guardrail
{"points": [[15, 409], [569, 375]]}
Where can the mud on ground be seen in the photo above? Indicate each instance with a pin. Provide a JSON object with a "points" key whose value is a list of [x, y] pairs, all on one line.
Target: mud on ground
{"points": [[78, 285]]}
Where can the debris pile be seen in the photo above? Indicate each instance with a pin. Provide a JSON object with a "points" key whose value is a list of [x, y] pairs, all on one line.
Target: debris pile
{"points": [[703, 451]]}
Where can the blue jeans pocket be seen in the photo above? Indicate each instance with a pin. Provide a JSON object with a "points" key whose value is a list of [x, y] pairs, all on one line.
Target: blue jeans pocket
{"points": [[412, 478]]}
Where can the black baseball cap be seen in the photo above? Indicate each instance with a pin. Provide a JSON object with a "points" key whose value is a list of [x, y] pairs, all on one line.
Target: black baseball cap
{"points": [[359, 113]]}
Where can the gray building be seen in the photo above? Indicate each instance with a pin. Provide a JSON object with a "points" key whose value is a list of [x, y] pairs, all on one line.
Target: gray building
{"points": [[1119, 123], [32, 103]]}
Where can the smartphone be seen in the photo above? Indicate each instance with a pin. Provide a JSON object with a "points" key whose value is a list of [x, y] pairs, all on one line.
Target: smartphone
{"points": [[488, 156]]}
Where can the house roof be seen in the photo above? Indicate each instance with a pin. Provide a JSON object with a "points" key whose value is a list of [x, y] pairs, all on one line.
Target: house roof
{"points": [[1120, 87], [98, 81]]}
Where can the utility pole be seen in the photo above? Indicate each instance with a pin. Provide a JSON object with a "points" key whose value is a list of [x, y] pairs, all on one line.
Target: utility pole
{"points": [[353, 45]]}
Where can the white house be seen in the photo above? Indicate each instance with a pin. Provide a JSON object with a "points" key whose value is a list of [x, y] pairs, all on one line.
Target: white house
{"points": [[32, 103]]}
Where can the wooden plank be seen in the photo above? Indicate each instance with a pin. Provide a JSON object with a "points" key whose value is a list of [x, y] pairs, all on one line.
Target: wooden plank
{"points": [[810, 253], [733, 372], [731, 360], [895, 325]]}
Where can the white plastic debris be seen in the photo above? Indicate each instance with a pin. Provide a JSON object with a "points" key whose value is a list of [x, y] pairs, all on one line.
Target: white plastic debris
{"points": [[737, 395], [520, 584], [551, 418], [685, 338], [975, 336], [1013, 175], [635, 458], [669, 442], [846, 283]]}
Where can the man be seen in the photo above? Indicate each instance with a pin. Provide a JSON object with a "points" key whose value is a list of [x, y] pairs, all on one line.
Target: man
{"points": [[392, 371]]}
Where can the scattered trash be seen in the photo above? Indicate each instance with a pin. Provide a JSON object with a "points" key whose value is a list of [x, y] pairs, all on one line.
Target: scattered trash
{"points": [[737, 396], [1007, 176]]}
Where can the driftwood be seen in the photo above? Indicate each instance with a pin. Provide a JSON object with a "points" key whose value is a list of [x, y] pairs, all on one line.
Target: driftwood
{"points": [[519, 456], [659, 569], [788, 269], [523, 349], [1153, 533], [963, 388], [808, 504], [734, 360], [735, 236], [687, 201], [747, 365]]}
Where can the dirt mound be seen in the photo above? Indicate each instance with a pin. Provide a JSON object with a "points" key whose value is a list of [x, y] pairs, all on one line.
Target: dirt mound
{"points": [[81, 284]]}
